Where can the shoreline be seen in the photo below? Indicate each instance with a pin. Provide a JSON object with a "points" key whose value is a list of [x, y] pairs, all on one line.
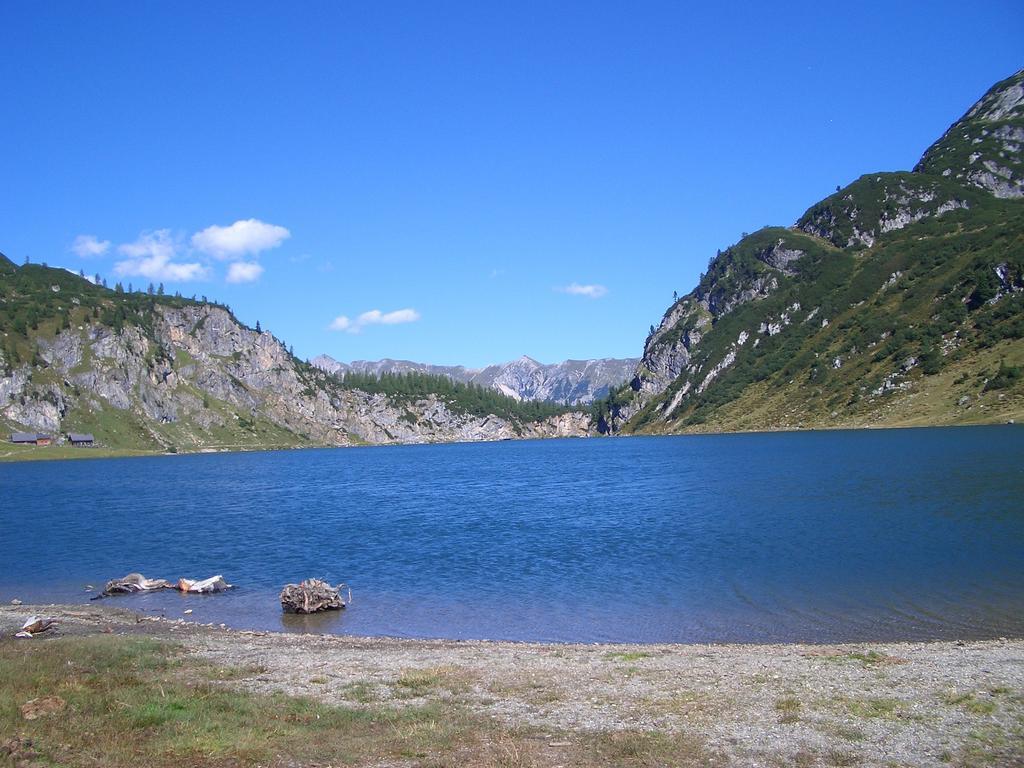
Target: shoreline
{"points": [[931, 703], [9, 455]]}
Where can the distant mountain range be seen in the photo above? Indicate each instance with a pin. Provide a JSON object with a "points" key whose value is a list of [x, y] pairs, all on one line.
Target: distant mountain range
{"points": [[572, 382]]}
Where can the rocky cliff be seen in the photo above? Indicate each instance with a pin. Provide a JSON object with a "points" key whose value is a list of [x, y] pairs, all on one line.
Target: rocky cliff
{"points": [[571, 382], [143, 371], [897, 300]]}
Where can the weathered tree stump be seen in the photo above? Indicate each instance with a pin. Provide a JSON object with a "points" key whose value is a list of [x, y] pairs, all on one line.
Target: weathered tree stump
{"points": [[313, 596]]}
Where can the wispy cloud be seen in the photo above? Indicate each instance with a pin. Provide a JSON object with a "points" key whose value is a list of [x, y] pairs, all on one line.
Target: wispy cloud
{"points": [[244, 271], [590, 291], [374, 317], [243, 238], [89, 245], [152, 256]]}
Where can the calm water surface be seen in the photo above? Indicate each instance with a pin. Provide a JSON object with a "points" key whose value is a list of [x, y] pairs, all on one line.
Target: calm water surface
{"points": [[822, 536]]}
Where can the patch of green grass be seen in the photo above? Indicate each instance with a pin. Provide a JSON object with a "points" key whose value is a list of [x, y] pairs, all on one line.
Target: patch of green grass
{"points": [[970, 702], [648, 749], [235, 673], [534, 692], [788, 708], [847, 733], [362, 691], [840, 759], [870, 658], [628, 655], [416, 683], [134, 702], [988, 746], [878, 707]]}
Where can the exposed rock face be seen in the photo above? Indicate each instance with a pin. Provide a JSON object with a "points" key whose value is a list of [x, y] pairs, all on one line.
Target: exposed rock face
{"points": [[199, 374], [982, 148], [571, 382], [880, 203]]}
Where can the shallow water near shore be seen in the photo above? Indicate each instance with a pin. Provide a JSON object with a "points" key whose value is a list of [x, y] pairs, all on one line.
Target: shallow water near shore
{"points": [[813, 536]]}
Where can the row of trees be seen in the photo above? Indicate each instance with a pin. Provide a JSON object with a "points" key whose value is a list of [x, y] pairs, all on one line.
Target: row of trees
{"points": [[461, 398]]}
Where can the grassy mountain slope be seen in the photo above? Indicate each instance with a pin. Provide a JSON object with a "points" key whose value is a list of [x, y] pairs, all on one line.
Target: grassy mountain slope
{"points": [[897, 300]]}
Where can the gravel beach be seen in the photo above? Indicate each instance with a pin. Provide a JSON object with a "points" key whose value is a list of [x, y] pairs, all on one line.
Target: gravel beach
{"points": [[886, 704]]}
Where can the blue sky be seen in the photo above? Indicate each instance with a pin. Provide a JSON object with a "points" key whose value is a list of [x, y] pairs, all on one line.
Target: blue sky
{"points": [[452, 182]]}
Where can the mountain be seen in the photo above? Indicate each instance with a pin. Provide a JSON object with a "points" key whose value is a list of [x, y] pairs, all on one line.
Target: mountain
{"points": [[152, 372], [572, 382], [897, 300]]}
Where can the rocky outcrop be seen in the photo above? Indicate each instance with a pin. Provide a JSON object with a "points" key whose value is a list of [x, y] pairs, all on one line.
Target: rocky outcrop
{"points": [[572, 382], [198, 378], [879, 203], [983, 148]]}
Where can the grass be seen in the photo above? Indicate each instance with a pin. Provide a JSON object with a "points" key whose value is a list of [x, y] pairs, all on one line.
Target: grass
{"points": [[12, 452], [970, 702], [867, 659], [650, 750], [628, 655], [875, 708], [417, 683], [532, 691], [788, 708], [139, 702], [133, 701]]}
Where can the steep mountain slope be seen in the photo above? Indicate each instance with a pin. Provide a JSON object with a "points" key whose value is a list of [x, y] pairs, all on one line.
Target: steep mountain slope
{"points": [[982, 148], [897, 300], [145, 371], [571, 382]]}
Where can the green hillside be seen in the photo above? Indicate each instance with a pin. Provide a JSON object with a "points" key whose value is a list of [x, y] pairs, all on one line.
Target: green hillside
{"points": [[898, 300], [144, 371]]}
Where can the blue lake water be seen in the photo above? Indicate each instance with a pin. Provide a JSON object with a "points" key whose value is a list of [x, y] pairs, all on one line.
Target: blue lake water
{"points": [[813, 536]]}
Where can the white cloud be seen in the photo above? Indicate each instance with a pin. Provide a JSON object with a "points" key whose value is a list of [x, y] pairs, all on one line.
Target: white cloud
{"points": [[374, 317], [151, 256], [590, 291], [89, 245], [246, 237], [244, 271], [91, 278]]}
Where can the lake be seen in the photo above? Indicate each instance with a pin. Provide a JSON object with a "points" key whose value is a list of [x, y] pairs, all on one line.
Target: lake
{"points": [[810, 536]]}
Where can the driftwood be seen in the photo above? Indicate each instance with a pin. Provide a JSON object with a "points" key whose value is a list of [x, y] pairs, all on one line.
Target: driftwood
{"points": [[134, 582], [312, 596], [202, 586], [34, 626]]}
